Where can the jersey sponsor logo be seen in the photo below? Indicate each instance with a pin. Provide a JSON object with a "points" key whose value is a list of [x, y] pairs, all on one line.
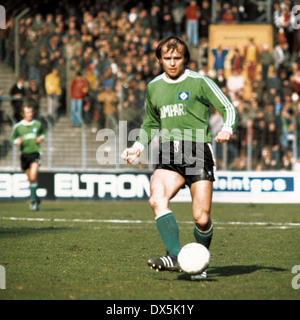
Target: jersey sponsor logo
{"points": [[184, 96], [29, 136], [172, 110]]}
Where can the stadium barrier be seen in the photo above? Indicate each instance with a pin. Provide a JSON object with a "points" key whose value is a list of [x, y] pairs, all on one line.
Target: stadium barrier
{"points": [[238, 187]]}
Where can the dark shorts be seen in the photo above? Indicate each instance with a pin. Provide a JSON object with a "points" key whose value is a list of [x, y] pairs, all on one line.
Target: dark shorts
{"points": [[193, 161], [28, 159]]}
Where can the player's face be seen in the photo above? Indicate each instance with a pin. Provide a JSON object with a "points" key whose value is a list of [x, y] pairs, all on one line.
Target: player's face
{"points": [[28, 114], [173, 62]]}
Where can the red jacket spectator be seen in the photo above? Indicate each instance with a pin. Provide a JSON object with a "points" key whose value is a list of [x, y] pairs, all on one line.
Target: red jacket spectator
{"points": [[78, 87], [192, 12]]}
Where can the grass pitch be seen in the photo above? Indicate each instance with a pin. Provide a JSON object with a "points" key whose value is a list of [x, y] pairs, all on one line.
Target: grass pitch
{"points": [[99, 250]]}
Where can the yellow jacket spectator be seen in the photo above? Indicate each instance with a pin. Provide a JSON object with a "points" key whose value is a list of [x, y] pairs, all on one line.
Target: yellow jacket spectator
{"points": [[52, 83], [53, 90]]}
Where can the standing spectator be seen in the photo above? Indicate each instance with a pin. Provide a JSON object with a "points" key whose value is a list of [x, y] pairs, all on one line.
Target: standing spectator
{"points": [[278, 55], [53, 91], [167, 23], [109, 99], [78, 90], [237, 61], [192, 14], [43, 60], [32, 62], [17, 91], [33, 98], [266, 59], [178, 15], [220, 55], [205, 18], [251, 58]]}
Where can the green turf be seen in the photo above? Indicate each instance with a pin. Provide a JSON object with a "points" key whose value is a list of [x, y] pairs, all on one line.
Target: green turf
{"points": [[72, 253]]}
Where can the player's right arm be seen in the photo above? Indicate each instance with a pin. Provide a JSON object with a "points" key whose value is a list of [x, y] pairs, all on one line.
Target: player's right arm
{"points": [[15, 138], [148, 129]]}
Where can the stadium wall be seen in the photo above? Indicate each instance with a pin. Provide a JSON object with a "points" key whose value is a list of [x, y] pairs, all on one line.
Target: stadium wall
{"points": [[238, 187]]}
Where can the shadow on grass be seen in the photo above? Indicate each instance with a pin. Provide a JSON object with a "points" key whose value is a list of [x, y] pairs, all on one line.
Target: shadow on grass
{"points": [[22, 231], [228, 271]]}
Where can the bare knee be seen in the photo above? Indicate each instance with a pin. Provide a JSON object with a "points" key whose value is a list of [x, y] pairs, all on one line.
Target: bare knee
{"points": [[202, 220], [158, 204]]}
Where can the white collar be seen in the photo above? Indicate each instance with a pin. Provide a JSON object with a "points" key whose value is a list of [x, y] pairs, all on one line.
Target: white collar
{"points": [[26, 123], [181, 78]]}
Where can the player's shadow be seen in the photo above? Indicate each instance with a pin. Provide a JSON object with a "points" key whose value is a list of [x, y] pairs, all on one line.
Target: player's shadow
{"points": [[228, 271]]}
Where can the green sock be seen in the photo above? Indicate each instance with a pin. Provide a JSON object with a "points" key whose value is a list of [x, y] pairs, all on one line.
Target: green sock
{"points": [[203, 238], [33, 195], [168, 229]]}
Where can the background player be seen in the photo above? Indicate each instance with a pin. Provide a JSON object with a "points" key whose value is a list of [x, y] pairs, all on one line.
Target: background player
{"points": [[28, 134], [177, 100]]}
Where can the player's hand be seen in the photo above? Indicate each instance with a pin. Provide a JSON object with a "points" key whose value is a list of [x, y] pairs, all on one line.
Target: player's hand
{"points": [[39, 140], [223, 136], [18, 141], [130, 154]]}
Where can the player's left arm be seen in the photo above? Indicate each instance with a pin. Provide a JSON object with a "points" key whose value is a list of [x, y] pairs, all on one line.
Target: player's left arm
{"points": [[218, 99], [41, 135]]}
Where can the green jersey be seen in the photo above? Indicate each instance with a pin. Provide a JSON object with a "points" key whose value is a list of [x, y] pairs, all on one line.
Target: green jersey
{"points": [[180, 108], [28, 132]]}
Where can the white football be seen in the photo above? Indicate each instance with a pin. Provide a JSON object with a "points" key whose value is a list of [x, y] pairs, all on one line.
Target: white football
{"points": [[193, 258]]}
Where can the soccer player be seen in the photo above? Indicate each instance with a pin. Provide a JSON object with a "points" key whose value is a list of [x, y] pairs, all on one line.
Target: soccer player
{"points": [[28, 135], [178, 103]]}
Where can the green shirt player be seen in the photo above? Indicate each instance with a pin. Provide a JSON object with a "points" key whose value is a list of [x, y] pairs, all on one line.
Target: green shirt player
{"points": [[178, 103], [28, 134]]}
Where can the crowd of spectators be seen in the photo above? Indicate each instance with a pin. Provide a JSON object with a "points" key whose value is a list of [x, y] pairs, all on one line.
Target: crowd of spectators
{"points": [[107, 49]]}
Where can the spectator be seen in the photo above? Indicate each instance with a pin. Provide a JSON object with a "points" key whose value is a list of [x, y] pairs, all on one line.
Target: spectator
{"points": [[205, 18], [178, 16], [251, 58], [278, 55], [258, 88], [220, 79], [167, 24], [32, 62], [219, 55], [33, 98], [192, 15], [237, 61], [266, 59], [109, 100], [228, 17], [17, 92], [53, 91], [235, 84], [78, 90], [43, 65]]}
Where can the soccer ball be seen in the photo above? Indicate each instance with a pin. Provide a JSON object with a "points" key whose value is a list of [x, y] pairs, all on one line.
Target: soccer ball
{"points": [[193, 258]]}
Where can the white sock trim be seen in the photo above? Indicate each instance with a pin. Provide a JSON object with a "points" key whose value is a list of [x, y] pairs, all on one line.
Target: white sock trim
{"points": [[205, 232], [162, 214]]}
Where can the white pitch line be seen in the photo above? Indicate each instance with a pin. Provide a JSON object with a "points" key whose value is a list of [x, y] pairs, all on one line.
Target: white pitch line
{"points": [[116, 221]]}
